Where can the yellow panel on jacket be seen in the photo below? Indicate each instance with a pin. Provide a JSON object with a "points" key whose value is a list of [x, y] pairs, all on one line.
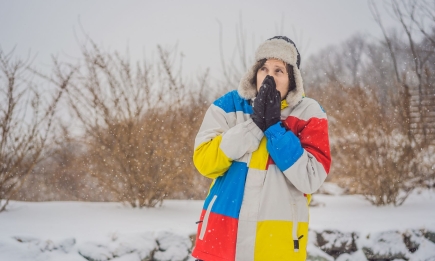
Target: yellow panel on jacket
{"points": [[274, 241], [210, 160], [260, 156]]}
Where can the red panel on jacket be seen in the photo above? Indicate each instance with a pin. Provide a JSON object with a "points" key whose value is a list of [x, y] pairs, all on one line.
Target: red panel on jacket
{"points": [[220, 237], [313, 135]]}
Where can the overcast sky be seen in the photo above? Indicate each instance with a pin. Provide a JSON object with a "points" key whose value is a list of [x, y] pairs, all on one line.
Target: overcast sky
{"points": [[46, 27]]}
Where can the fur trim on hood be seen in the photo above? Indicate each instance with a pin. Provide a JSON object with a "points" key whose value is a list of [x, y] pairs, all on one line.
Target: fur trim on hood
{"points": [[282, 48]]}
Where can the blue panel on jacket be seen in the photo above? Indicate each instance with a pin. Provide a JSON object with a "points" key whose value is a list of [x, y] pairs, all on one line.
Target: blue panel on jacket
{"points": [[232, 102], [283, 146], [229, 189]]}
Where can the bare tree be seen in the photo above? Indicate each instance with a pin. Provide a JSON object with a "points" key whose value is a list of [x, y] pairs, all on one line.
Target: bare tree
{"points": [[372, 156], [418, 86], [355, 47], [62, 174], [26, 117], [138, 126], [337, 64], [418, 27], [233, 68], [381, 122]]}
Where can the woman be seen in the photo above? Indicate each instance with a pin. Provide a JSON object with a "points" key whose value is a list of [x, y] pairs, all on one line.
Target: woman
{"points": [[266, 148]]}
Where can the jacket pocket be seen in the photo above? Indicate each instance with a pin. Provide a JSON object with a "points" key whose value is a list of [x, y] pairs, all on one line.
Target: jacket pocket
{"points": [[206, 216]]}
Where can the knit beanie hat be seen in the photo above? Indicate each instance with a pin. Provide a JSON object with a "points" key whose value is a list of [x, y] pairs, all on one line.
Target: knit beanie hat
{"points": [[281, 48]]}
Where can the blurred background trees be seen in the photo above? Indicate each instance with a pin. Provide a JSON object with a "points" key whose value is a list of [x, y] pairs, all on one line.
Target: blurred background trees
{"points": [[380, 96], [125, 129], [128, 135]]}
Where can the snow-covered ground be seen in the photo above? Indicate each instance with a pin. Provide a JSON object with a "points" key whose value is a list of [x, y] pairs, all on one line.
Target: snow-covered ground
{"points": [[113, 231]]}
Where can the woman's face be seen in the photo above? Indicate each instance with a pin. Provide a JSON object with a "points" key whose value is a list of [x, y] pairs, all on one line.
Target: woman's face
{"points": [[277, 69]]}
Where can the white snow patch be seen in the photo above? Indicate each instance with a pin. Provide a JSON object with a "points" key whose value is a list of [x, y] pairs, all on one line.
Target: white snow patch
{"points": [[51, 231]]}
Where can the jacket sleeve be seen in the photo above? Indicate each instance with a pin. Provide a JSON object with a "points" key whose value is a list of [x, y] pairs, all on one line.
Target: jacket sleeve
{"points": [[217, 143], [304, 156]]}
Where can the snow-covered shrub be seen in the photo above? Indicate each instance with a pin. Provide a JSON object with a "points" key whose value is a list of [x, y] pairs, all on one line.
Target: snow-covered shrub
{"points": [[335, 243], [410, 245], [95, 252], [64, 245], [356, 256], [390, 245], [144, 244], [413, 245], [386, 246], [117, 246], [172, 247], [429, 235], [314, 253], [419, 244]]}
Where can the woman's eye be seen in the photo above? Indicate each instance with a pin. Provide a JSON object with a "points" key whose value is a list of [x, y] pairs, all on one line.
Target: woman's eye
{"points": [[263, 68], [279, 71]]}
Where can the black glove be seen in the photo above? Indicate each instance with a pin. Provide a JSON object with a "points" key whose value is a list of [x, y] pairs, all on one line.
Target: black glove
{"points": [[260, 102], [259, 109], [269, 82], [273, 107]]}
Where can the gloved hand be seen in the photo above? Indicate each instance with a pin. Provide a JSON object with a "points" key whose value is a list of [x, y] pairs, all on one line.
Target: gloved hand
{"points": [[259, 108], [273, 107], [261, 102], [269, 82]]}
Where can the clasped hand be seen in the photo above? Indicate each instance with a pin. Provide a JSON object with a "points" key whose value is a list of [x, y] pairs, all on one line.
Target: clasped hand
{"points": [[267, 105]]}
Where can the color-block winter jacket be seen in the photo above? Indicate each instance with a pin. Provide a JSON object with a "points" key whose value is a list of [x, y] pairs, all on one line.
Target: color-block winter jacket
{"points": [[257, 206]]}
